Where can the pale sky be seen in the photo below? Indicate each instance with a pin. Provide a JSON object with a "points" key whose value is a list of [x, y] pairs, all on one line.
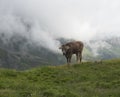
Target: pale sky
{"points": [[51, 19]]}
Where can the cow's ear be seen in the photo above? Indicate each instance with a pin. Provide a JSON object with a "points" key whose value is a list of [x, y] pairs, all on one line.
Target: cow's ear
{"points": [[67, 47], [60, 47]]}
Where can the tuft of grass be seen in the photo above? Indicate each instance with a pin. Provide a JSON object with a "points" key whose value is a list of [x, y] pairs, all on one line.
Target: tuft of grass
{"points": [[88, 79]]}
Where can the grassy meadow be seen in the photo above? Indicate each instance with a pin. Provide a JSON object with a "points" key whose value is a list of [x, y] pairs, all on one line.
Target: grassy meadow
{"points": [[88, 79]]}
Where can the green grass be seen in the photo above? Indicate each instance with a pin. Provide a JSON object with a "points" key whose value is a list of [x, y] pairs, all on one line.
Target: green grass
{"points": [[88, 79]]}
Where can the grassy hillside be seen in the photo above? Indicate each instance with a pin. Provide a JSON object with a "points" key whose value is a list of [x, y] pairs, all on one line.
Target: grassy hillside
{"points": [[90, 79]]}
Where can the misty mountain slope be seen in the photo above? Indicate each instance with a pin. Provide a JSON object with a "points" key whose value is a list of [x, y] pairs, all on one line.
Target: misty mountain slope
{"points": [[104, 48], [20, 53]]}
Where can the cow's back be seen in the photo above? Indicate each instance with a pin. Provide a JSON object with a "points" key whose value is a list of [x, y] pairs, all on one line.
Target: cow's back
{"points": [[76, 46]]}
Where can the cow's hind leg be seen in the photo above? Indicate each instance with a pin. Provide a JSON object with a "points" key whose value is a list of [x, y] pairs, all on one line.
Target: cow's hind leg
{"points": [[80, 56], [77, 58], [68, 61]]}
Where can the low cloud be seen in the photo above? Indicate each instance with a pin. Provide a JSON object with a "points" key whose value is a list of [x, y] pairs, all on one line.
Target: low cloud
{"points": [[44, 21]]}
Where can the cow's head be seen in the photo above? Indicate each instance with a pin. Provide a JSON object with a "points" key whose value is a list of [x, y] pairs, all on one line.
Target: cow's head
{"points": [[64, 49]]}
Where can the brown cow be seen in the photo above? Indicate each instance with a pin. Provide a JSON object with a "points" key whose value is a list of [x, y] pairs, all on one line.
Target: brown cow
{"points": [[71, 48]]}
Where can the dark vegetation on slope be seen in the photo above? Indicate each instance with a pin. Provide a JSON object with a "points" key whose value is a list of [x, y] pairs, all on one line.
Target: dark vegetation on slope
{"points": [[88, 79], [18, 52]]}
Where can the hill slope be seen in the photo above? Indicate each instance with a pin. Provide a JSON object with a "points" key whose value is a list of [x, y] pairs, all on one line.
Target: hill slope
{"points": [[80, 80]]}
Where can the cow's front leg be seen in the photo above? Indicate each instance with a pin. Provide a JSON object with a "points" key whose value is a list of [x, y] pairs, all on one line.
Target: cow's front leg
{"points": [[68, 62]]}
